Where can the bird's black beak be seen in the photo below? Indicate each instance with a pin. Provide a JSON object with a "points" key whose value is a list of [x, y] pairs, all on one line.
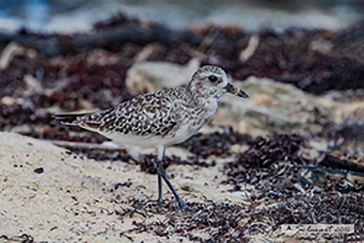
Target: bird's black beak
{"points": [[236, 91]]}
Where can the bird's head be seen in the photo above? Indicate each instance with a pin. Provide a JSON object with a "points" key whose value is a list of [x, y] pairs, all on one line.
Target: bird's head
{"points": [[212, 81]]}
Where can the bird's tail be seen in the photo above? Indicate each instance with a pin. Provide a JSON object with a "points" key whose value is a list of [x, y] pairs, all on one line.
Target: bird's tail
{"points": [[70, 118]]}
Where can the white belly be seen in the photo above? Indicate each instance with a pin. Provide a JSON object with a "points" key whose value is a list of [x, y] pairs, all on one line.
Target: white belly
{"points": [[121, 139], [183, 133]]}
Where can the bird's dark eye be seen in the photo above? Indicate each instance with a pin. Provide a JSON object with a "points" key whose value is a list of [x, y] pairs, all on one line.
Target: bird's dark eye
{"points": [[213, 78]]}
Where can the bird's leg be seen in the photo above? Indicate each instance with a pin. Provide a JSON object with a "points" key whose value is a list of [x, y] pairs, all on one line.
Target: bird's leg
{"points": [[160, 199], [162, 174], [161, 152]]}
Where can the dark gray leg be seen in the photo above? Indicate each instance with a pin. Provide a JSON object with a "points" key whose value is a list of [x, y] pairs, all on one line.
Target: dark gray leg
{"points": [[162, 174], [160, 200], [161, 152]]}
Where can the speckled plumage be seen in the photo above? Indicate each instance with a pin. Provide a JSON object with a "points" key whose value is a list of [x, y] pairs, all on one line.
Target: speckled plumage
{"points": [[161, 118]]}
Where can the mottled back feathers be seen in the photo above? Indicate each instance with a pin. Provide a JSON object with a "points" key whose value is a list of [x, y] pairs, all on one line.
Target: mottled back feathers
{"points": [[153, 114]]}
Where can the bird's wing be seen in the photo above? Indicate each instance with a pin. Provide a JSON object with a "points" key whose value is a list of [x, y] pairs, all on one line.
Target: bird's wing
{"points": [[153, 114]]}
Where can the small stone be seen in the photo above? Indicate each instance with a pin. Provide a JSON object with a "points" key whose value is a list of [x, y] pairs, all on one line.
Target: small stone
{"points": [[7, 100], [241, 195], [39, 170], [187, 187]]}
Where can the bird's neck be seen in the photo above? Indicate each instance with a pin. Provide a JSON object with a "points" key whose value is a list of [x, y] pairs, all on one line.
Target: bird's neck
{"points": [[199, 96], [191, 88], [194, 92]]}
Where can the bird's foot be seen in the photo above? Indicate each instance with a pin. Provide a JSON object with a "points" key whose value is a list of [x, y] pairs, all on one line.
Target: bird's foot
{"points": [[183, 206], [160, 202]]}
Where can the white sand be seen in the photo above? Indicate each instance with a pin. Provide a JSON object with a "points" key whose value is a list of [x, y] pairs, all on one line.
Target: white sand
{"points": [[65, 202]]}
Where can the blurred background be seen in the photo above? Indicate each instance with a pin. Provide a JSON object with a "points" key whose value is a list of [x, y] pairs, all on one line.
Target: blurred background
{"points": [[79, 15]]}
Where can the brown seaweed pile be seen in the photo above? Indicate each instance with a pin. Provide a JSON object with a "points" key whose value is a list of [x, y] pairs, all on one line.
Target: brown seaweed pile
{"points": [[270, 164], [217, 143], [228, 223], [93, 76], [223, 217]]}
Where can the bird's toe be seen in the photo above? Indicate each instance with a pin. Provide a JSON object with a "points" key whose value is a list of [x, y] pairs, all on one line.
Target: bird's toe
{"points": [[160, 203]]}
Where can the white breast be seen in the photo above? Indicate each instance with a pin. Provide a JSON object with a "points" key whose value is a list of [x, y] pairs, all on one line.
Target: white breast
{"points": [[192, 124]]}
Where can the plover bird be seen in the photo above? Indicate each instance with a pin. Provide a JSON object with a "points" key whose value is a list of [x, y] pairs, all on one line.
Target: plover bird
{"points": [[162, 118]]}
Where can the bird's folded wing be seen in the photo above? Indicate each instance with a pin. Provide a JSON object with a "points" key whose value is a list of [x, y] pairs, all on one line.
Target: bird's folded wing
{"points": [[145, 116]]}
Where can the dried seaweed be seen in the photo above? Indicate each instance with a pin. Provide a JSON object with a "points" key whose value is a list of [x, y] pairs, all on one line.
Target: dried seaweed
{"points": [[329, 208], [234, 223], [345, 133], [285, 57], [217, 143], [218, 220]]}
